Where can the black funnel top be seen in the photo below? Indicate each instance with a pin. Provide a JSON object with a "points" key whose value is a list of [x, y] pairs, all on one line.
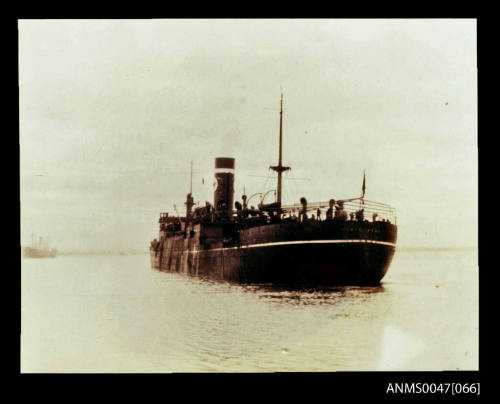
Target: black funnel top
{"points": [[224, 162]]}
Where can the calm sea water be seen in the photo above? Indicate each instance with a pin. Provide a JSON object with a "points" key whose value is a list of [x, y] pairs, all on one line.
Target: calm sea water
{"points": [[105, 313]]}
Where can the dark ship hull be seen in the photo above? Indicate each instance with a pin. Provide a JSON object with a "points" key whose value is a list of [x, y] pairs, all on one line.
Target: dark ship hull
{"points": [[32, 252], [311, 253]]}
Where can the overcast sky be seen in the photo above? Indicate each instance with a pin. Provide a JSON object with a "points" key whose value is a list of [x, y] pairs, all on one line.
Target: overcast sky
{"points": [[113, 111]]}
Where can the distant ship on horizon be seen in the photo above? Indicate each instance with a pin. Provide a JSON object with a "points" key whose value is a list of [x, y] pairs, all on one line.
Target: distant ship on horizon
{"points": [[39, 250]]}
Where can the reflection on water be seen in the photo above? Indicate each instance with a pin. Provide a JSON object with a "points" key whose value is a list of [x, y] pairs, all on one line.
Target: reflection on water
{"points": [[288, 295], [112, 313]]}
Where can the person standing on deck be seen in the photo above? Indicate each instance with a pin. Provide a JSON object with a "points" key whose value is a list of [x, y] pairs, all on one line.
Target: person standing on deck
{"points": [[329, 212], [303, 212]]}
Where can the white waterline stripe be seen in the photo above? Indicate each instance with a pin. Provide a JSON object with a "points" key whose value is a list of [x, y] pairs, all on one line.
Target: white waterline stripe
{"points": [[278, 243], [321, 242]]}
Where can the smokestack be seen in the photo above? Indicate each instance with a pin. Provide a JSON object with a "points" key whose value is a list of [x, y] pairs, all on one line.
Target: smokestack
{"points": [[224, 193]]}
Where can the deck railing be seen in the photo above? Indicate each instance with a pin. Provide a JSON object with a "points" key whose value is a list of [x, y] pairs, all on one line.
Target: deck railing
{"points": [[383, 211]]}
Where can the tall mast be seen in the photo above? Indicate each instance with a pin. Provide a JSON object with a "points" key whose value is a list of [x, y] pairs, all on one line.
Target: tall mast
{"points": [[191, 179], [280, 168], [281, 130]]}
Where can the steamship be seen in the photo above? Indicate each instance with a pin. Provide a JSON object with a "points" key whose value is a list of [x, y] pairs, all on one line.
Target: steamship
{"points": [[39, 250], [335, 242]]}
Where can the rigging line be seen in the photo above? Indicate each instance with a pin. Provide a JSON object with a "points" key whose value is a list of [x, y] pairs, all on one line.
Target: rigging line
{"points": [[288, 192], [286, 173], [290, 189], [266, 184], [298, 190]]}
